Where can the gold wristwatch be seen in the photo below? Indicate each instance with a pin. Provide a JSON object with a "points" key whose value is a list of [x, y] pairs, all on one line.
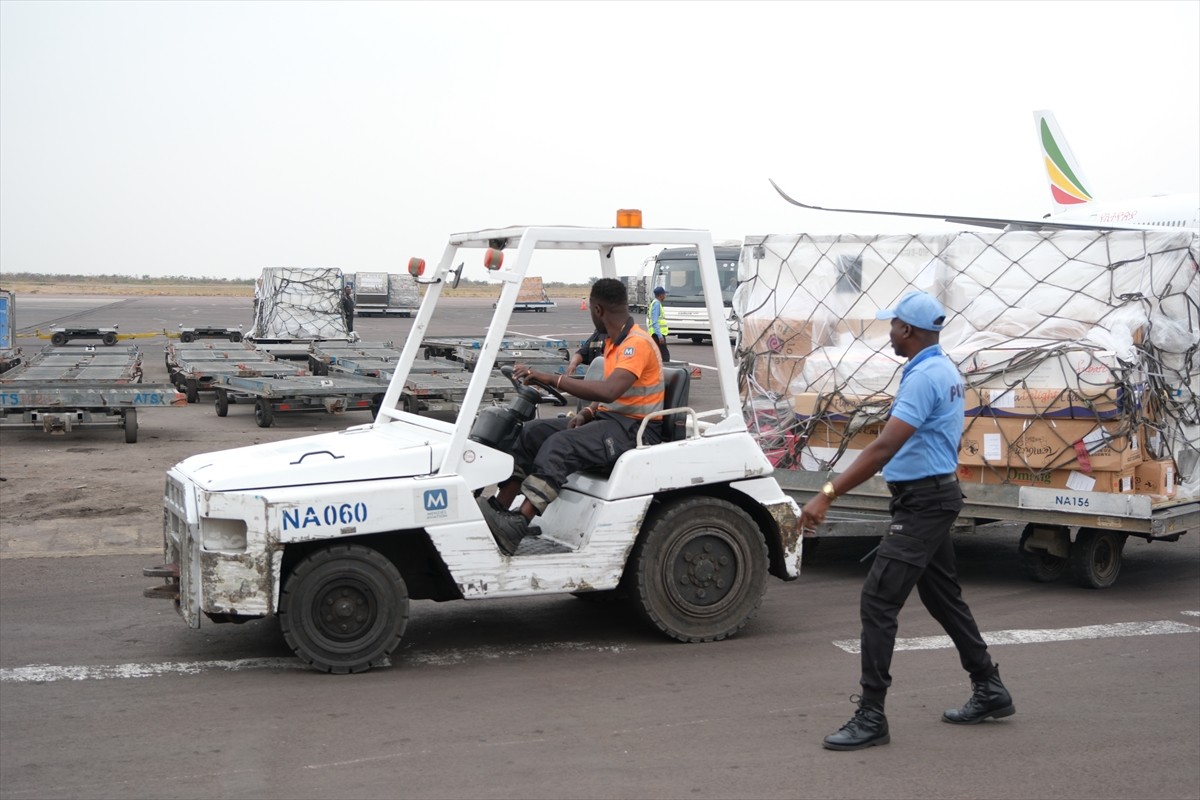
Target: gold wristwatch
{"points": [[828, 491]]}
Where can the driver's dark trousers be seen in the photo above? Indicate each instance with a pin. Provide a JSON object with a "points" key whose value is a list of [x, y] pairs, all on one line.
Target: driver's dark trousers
{"points": [[547, 451], [917, 551]]}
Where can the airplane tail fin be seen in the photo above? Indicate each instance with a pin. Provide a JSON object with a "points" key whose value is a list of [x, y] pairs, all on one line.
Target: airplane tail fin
{"points": [[1068, 186]]}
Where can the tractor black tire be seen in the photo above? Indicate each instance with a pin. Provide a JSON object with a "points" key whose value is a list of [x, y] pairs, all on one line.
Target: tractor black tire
{"points": [[699, 569], [344, 608]]}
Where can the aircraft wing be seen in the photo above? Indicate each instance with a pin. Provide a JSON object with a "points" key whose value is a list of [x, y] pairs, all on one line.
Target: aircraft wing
{"points": [[983, 222]]}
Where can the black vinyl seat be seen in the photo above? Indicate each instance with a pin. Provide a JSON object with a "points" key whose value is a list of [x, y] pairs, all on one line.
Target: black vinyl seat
{"points": [[677, 385]]}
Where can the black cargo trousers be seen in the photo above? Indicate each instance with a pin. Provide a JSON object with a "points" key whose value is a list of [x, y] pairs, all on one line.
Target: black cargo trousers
{"points": [[917, 551], [547, 452]]}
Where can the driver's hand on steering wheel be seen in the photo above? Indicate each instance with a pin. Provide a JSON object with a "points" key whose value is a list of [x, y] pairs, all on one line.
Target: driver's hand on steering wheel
{"points": [[523, 373]]}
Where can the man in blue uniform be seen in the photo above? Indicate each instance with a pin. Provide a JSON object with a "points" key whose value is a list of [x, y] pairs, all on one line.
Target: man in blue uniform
{"points": [[918, 452]]}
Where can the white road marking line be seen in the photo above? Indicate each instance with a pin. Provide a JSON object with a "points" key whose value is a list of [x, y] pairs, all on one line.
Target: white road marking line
{"points": [[1037, 635], [49, 673]]}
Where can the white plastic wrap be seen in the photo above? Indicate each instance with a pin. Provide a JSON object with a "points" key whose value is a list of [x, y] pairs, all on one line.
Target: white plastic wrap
{"points": [[300, 303], [1086, 311]]}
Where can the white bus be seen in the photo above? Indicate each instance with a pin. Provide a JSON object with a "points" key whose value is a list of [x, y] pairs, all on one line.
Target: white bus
{"points": [[677, 270]]}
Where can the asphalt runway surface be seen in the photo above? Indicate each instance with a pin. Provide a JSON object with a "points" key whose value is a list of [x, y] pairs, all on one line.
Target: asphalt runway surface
{"points": [[106, 694]]}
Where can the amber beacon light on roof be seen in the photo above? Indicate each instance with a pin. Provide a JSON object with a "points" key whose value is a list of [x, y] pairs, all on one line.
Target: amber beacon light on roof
{"points": [[629, 218]]}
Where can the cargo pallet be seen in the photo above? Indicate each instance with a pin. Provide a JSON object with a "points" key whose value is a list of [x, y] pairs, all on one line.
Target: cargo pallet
{"points": [[58, 390], [298, 393], [435, 384], [197, 367]]}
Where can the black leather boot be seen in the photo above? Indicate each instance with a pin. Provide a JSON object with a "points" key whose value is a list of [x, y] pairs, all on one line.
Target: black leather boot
{"points": [[867, 728], [989, 698]]}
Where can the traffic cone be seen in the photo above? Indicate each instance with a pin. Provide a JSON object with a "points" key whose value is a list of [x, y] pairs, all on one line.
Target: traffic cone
{"points": [[583, 304]]}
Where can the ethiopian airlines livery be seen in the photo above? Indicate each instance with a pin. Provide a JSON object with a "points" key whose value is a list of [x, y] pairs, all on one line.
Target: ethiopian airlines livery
{"points": [[1073, 199], [1074, 205]]}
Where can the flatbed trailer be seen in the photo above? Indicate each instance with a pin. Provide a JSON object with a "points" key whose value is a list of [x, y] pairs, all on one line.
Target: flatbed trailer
{"points": [[196, 332], [465, 348], [60, 334], [59, 390], [435, 384], [289, 350], [547, 354], [534, 305], [322, 355], [1083, 532], [196, 367], [333, 394]]}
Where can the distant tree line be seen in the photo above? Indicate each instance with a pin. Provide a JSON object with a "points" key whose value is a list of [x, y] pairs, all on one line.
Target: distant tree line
{"points": [[41, 277], [547, 284]]}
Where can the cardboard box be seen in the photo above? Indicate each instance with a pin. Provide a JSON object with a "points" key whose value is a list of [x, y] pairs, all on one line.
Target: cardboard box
{"points": [[1121, 482], [1155, 477], [833, 433], [1046, 403], [838, 406], [779, 348], [1044, 444]]}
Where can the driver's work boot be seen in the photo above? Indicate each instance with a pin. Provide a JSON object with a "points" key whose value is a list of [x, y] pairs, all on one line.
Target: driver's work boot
{"points": [[867, 728], [508, 527], [988, 698]]}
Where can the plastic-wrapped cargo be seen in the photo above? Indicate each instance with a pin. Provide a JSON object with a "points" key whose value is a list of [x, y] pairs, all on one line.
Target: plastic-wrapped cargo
{"points": [[1087, 341], [300, 304], [403, 292]]}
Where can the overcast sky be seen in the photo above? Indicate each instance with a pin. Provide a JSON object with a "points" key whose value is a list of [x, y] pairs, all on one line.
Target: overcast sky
{"points": [[217, 138]]}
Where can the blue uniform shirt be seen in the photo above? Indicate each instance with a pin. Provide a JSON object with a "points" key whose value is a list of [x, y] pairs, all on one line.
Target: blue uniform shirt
{"points": [[930, 399]]}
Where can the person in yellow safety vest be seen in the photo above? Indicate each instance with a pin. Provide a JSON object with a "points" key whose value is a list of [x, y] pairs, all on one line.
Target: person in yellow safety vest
{"points": [[656, 323]]}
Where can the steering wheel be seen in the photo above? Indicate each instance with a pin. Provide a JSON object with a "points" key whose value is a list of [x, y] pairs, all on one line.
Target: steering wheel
{"points": [[554, 397]]}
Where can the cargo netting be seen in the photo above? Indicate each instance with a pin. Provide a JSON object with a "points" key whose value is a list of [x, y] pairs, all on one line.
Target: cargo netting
{"points": [[296, 303], [1080, 351]]}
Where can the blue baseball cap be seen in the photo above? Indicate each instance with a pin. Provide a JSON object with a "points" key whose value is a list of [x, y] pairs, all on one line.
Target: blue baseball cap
{"points": [[919, 309], [659, 290]]}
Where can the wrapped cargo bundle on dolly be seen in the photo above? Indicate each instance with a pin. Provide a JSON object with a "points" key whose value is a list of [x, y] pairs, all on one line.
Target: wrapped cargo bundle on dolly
{"points": [[1080, 358]]}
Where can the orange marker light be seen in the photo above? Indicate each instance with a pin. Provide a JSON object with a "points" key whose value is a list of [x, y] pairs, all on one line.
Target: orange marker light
{"points": [[629, 218], [416, 267], [493, 259]]}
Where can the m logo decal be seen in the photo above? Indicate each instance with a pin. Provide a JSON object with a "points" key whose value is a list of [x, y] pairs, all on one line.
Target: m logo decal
{"points": [[436, 500]]}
